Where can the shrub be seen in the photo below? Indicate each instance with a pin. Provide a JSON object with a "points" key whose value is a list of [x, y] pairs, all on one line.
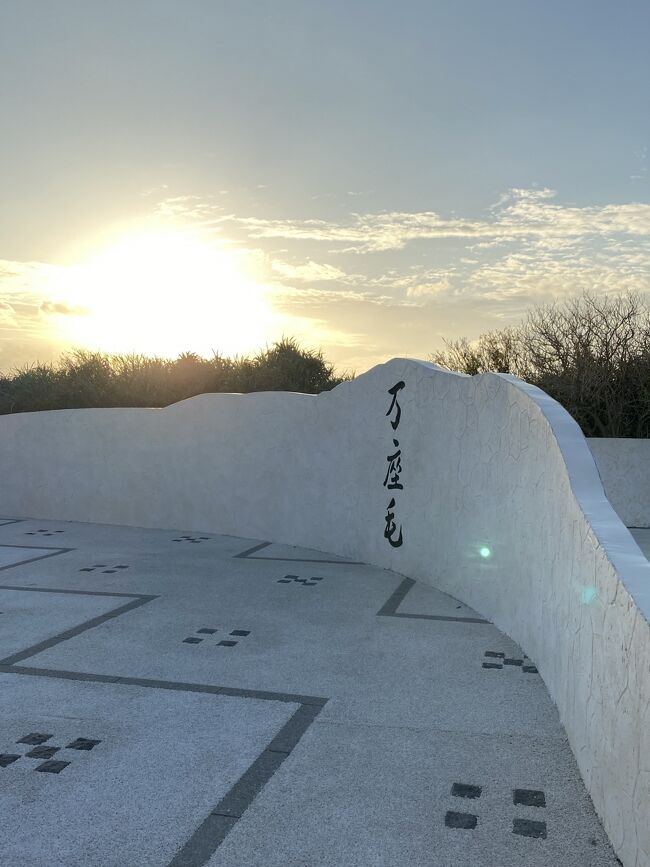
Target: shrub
{"points": [[95, 379], [592, 354]]}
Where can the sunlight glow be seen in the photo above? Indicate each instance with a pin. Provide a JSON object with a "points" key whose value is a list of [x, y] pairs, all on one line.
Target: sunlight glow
{"points": [[165, 291]]}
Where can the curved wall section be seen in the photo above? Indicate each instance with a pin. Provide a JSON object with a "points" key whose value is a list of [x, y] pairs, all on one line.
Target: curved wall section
{"points": [[489, 482]]}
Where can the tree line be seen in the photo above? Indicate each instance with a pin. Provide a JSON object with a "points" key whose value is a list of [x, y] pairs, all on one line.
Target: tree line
{"points": [[591, 353], [96, 379]]}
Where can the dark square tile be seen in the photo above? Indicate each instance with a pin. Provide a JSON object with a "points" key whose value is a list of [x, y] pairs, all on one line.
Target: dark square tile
{"points": [[495, 654], [227, 643], [34, 739], [109, 571], [513, 662], [491, 665], [284, 581], [87, 569], [192, 640], [206, 631], [530, 669], [52, 767], [528, 828], [529, 797], [240, 632], [7, 759], [314, 578], [466, 790], [42, 752], [460, 820], [82, 744]]}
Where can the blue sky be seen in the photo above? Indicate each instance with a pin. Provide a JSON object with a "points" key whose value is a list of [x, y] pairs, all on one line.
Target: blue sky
{"points": [[396, 172]]}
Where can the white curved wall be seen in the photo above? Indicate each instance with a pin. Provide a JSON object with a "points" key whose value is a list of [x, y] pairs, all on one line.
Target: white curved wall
{"points": [[624, 467], [487, 461]]}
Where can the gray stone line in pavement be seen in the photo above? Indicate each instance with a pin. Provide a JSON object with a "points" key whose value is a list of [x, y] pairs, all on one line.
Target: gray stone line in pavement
{"points": [[5, 521], [389, 608], [213, 830], [174, 685], [136, 601], [54, 552], [246, 554], [250, 552], [72, 592]]}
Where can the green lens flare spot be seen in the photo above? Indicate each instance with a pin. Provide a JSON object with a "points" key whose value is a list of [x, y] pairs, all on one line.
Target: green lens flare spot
{"points": [[588, 595], [484, 551]]}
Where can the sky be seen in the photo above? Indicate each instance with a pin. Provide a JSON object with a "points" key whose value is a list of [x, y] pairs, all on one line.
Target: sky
{"points": [[371, 177]]}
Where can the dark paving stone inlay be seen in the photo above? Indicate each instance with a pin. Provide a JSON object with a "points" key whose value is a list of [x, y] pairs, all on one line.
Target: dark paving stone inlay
{"points": [[466, 790], [529, 797], [192, 640], [35, 738], [7, 759], [42, 752], [528, 828], [82, 744], [52, 767], [466, 821]]}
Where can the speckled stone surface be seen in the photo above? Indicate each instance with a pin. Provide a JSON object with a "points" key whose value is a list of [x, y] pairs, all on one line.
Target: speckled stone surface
{"points": [[324, 713]]}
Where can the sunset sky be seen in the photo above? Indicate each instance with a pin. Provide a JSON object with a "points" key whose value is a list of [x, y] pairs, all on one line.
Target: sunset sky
{"points": [[368, 176]]}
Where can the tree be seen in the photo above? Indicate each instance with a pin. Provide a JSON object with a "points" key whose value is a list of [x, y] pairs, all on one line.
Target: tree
{"points": [[592, 354]]}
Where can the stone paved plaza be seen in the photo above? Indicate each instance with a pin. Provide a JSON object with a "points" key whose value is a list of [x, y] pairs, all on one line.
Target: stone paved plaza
{"points": [[177, 698]]}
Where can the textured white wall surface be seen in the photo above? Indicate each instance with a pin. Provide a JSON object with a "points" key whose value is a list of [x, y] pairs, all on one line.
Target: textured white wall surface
{"points": [[624, 466], [488, 464]]}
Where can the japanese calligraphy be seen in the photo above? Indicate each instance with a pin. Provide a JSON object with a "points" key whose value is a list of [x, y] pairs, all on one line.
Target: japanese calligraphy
{"points": [[394, 469], [391, 526], [395, 405]]}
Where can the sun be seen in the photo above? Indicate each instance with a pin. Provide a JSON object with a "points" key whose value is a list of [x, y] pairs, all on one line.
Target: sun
{"points": [[162, 292]]}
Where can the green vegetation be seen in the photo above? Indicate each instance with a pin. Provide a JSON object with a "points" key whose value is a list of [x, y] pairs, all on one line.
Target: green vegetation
{"points": [[591, 353], [94, 379]]}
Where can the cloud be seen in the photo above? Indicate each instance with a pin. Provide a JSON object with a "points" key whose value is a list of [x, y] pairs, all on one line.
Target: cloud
{"points": [[311, 272], [62, 308], [520, 213]]}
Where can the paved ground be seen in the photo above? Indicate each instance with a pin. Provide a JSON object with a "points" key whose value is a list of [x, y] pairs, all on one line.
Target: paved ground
{"points": [[173, 699]]}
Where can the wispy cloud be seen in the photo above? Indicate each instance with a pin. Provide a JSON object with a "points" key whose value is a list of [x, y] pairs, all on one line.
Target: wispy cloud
{"points": [[520, 213], [311, 272]]}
